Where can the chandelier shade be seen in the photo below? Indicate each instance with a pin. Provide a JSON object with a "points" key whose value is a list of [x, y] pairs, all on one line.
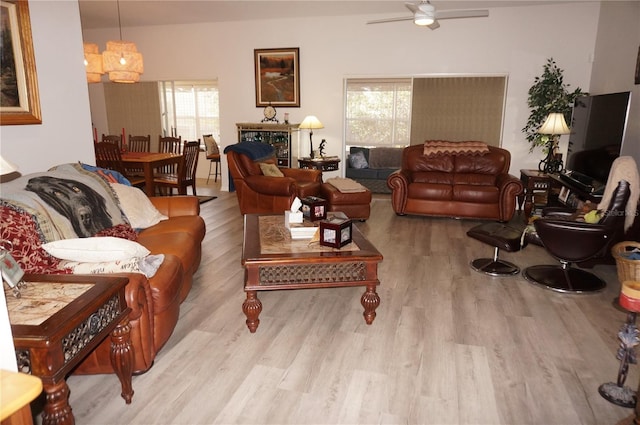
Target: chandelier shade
{"points": [[92, 62], [123, 62]]}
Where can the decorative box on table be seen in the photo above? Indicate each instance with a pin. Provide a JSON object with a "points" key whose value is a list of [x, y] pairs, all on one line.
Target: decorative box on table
{"points": [[335, 232], [314, 208]]}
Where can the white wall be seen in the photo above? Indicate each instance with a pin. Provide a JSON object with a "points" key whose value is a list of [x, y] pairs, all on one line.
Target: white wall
{"points": [[513, 40], [65, 132], [616, 54]]}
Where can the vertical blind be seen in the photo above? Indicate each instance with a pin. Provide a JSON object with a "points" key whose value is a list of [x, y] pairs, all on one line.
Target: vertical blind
{"points": [[458, 109]]}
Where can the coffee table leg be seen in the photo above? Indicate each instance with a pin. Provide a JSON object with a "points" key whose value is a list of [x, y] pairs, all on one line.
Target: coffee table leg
{"points": [[370, 301], [122, 357], [56, 409], [252, 308]]}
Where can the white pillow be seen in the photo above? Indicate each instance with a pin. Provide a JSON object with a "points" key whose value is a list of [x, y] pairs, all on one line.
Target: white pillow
{"points": [[139, 210], [148, 266], [96, 249]]}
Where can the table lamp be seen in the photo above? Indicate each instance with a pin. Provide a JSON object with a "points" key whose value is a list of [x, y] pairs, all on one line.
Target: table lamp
{"points": [[6, 167], [554, 126], [310, 123]]}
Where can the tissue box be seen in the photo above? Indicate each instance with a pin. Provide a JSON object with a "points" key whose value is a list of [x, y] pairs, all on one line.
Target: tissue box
{"points": [[292, 218]]}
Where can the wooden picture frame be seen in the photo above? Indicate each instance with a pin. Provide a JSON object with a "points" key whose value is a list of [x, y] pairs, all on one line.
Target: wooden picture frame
{"points": [[277, 74], [20, 102], [637, 77]]}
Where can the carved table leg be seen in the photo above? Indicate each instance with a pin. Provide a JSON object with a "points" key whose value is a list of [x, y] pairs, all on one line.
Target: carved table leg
{"points": [[370, 301], [122, 357], [56, 409], [252, 308]]}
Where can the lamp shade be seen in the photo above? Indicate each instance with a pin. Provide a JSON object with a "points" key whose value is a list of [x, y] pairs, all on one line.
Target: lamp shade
{"points": [[554, 124], [92, 62], [6, 167], [123, 62], [310, 122]]}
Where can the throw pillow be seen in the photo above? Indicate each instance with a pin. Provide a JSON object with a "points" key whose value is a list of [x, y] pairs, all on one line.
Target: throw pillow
{"points": [[211, 144], [358, 160], [96, 249], [270, 170], [139, 210], [435, 148], [148, 266]]}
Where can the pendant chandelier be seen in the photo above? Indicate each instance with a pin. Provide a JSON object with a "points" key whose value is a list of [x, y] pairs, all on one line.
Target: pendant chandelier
{"points": [[121, 60], [92, 62]]}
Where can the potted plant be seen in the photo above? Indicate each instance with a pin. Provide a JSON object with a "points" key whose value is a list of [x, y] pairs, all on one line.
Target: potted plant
{"points": [[548, 94]]}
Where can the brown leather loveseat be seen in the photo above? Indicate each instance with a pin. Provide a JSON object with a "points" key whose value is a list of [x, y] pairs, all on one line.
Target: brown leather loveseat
{"points": [[455, 184]]}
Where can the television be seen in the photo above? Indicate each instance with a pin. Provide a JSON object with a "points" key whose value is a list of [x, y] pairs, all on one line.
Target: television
{"points": [[598, 125]]}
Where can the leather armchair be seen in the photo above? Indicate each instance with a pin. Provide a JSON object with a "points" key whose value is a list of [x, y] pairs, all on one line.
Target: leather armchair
{"points": [[574, 241], [262, 194]]}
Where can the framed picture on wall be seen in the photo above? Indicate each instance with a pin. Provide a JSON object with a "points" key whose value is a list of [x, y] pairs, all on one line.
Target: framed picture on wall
{"points": [[20, 102], [277, 73]]}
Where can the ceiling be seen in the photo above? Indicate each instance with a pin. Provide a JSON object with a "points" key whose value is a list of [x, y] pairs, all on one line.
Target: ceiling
{"points": [[96, 14]]}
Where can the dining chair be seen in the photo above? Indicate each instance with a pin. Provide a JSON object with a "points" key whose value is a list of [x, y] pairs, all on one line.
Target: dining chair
{"points": [[108, 156], [139, 143], [186, 175], [113, 138], [169, 144], [213, 155]]}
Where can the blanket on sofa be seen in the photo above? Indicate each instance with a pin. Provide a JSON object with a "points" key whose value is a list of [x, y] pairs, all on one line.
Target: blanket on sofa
{"points": [[63, 203]]}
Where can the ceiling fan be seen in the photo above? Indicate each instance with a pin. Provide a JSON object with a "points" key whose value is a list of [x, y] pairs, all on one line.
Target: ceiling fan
{"points": [[425, 14]]}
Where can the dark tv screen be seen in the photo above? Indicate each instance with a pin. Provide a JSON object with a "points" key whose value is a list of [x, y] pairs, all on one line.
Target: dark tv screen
{"points": [[598, 124]]}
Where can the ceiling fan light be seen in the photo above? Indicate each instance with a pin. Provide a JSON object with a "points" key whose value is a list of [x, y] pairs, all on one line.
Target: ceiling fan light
{"points": [[423, 19]]}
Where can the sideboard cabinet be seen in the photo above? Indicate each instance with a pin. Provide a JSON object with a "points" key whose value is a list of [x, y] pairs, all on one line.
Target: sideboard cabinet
{"points": [[279, 136]]}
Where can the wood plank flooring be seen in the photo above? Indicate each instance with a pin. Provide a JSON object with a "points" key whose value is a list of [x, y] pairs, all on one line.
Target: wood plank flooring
{"points": [[448, 346]]}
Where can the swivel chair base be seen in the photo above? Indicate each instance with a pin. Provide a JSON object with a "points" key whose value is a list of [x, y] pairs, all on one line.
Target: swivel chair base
{"points": [[494, 267], [564, 279]]}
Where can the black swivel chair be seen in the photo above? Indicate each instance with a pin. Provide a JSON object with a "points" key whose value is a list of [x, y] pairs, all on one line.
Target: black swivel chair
{"points": [[571, 241]]}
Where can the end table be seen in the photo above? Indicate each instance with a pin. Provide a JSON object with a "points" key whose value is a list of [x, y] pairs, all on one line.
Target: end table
{"points": [[58, 321], [533, 181], [326, 163]]}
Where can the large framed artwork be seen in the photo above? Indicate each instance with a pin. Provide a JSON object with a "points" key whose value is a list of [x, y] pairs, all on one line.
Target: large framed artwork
{"points": [[277, 77], [19, 100]]}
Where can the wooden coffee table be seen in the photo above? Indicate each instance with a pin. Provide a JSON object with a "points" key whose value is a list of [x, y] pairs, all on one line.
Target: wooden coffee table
{"points": [[273, 261]]}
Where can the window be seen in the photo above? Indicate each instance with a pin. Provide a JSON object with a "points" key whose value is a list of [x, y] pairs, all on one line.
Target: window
{"points": [[399, 112], [378, 112], [190, 109]]}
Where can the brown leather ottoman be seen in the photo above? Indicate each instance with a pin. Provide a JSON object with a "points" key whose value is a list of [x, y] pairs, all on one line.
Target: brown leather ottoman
{"points": [[500, 236], [356, 205]]}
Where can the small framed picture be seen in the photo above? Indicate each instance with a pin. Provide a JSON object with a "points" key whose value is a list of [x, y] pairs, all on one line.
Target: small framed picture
{"points": [[335, 232], [564, 194], [314, 208]]}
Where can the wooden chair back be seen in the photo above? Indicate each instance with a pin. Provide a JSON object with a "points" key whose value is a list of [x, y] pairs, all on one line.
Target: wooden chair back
{"points": [[169, 144], [113, 138], [108, 156], [139, 143]]}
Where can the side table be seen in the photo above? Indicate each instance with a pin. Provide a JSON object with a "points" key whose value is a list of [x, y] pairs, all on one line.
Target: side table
{"points": [[533, 181], [326, 163], [58, 321]]}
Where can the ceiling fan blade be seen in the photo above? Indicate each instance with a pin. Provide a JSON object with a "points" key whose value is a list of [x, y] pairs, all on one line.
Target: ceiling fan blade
{"points": [[455, 14], [412, 7], [434, 26], [382, 21]]}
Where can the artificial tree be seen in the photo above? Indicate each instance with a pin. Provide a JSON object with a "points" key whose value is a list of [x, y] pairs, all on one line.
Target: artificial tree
{"points": [[548, 94]]}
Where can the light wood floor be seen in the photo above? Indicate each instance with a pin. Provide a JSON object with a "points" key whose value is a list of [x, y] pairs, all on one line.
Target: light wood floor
{"points": [[449, 345]]}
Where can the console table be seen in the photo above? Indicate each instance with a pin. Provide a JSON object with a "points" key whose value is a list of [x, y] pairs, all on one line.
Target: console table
{"points": [[58, 321], [322, 164]]}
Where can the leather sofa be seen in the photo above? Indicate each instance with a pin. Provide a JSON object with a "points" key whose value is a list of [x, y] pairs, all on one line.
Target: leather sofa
{"points": [[260, 194], [455, 185], [154, 301]]}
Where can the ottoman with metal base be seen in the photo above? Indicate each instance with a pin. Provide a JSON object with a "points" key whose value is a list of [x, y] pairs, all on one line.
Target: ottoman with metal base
{"points": [[500, 236]]}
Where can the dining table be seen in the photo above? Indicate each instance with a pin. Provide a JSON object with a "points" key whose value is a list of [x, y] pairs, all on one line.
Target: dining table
{"points": [[149, 162]]}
